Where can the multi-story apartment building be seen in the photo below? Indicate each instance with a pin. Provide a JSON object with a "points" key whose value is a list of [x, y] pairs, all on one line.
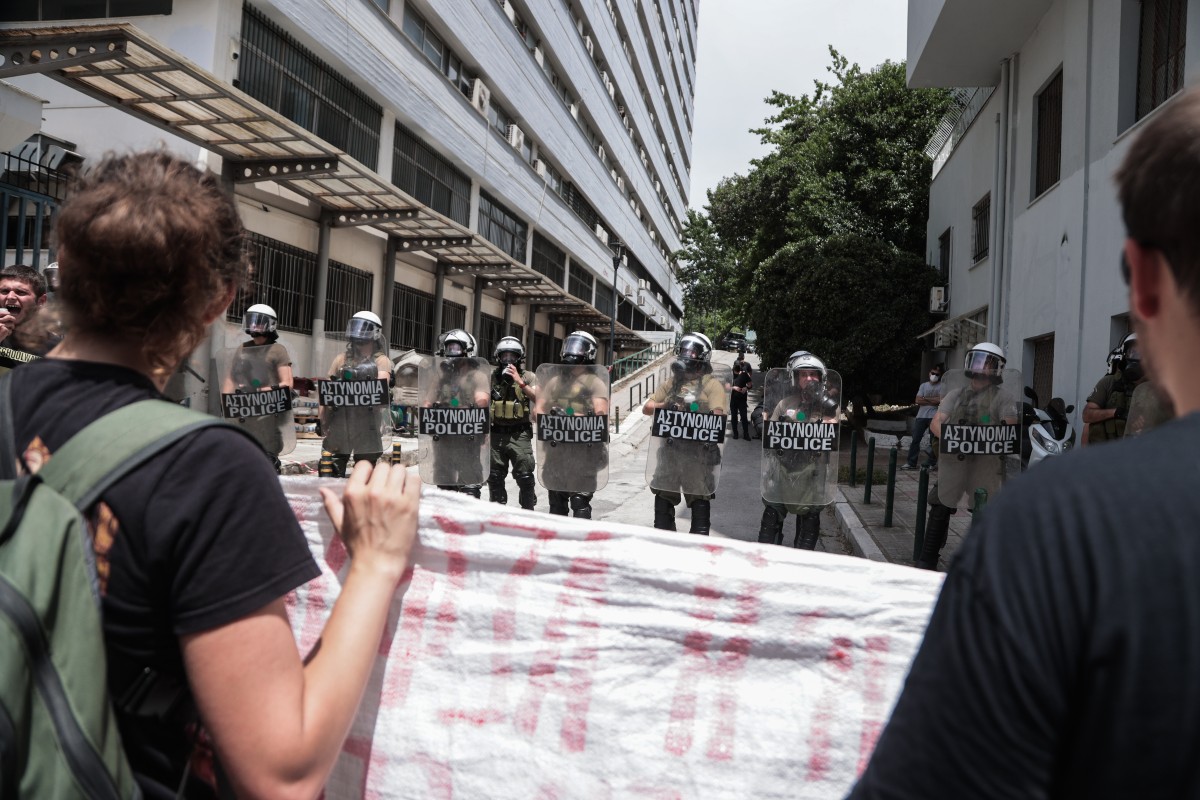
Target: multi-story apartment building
{"points": [[1023, 217], [501, 165]]}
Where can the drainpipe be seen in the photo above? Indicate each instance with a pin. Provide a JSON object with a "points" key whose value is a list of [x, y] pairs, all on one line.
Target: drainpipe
{"points": [[318, 361], [439, 296], [1087, 186], [1010, 199], [1000, 193]]}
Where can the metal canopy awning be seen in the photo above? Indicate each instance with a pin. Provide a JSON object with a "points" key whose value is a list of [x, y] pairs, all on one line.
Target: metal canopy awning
{"points": [[122, 67], [958, 329]]}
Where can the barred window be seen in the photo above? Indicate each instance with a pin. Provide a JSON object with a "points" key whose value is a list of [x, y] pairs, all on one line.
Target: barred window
{"points": [[282, 276], [349, 292], [548, 259], [454, 315], [543, 350], [429, 178], [439, 54], [981, 216], [491, 331], [1048, 136], [944, 256], [1160, 52], [412, 320], [501, 227], [40, 10], [289, 78], [581, 282], [604, 298]]}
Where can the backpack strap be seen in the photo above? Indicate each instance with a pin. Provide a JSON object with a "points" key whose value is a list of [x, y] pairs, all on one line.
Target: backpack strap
{"points": [[110, 447]]}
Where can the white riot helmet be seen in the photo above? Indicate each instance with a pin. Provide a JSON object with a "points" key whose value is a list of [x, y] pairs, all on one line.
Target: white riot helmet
{"points": [[695, 348], [456, 343], [509, 350], [1130, 357], [50, 273], [802, 363], [259, 320], [364, 327], [578, 348], [984, 360]]}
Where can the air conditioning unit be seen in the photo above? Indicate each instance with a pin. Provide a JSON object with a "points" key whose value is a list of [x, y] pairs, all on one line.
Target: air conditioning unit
{"points": [[641, 301], [587, 44], [612, 90], [938, 302], [625, 259], [539, 167], [621, 185], [601, 234], [600, 152], [945, 338], [481, 96], [658, 296], [516, 137], [574, 109], [539, 56], [653, 235], [643, 284], [509, 11], [626, 290]]}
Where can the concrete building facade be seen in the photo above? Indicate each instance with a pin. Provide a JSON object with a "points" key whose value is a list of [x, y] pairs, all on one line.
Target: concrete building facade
{"points": [[509, 166], [1023, 218]]}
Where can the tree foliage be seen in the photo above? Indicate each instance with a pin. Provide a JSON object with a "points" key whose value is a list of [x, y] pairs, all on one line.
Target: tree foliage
{"points": [[820, 246]]}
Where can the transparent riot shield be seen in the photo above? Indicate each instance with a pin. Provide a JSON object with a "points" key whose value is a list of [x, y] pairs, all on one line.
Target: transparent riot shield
{"points": [[355, 402], [571, 419], [253, 399], [800, 438], [687, 432], [979, 446], [454, 424]]}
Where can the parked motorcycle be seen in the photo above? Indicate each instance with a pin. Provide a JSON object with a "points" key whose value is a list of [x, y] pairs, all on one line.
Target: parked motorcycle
{"points": [[1048, 432]]}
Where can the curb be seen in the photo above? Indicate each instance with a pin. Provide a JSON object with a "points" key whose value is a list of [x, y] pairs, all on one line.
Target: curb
{"points": [[853, 529]]}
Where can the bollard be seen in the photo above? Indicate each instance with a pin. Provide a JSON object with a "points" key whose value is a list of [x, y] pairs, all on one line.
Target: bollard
{"points": [[616, 420], [890, 502], [981, 498], [853, 458], [922, 498], [325, 465], [870, 470]]}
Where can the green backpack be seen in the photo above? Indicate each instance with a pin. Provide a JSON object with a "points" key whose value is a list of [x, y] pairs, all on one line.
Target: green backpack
{"points": [[58, 729]]}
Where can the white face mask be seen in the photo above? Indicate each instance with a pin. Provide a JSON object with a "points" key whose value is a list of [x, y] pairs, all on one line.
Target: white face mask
{"points": [[934, 377]]}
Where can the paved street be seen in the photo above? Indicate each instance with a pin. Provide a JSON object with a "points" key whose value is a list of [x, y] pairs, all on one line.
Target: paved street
{"points": [[849, 526]]}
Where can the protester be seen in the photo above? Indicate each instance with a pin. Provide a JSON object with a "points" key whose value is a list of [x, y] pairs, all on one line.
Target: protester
{"points": [[197, 547], [22, 296], [929, 395], [1062, 652]]}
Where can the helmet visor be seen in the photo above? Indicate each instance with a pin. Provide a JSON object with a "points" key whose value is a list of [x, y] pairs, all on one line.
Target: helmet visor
{"points": [[507, 357], [981, 363], [361, 330], [693, 350], [454, 349], [256, 322], [576, 350]]}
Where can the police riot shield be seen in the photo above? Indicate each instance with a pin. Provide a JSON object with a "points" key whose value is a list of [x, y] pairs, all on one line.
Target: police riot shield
{"points": [[355, 402], [800, 437], [454, 424], [687, 431], [571, 417], [980, 442], [253, 398]]}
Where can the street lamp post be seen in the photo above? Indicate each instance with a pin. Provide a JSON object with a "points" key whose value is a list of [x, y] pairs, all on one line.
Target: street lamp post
{"points": [[618, 252]]}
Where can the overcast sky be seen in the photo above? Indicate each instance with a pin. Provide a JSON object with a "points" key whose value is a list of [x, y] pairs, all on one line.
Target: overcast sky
{"points": [[748, 48]]}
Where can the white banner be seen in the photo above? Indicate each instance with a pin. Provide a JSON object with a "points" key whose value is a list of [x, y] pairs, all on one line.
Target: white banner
{"points": [[541, 658]]}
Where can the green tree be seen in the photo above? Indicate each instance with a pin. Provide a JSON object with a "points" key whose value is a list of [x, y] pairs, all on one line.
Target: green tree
{"points": [[820, 245]]}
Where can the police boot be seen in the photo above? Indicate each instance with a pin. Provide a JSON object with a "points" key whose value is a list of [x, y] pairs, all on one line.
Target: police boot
{"points": [[937, 528], [700, 517], [558, 503], [808, 530], [528, 494], [664, 514], [770, 530], [497, 493], [581, 505], [733, 424], [475, 491]]}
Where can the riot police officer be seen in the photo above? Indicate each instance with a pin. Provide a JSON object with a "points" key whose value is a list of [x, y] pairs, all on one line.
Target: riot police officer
{"points": [[575, 387], [1107, 408], [262, 364], [514, 391], [455, 379], [799, 478], [974, 397], [357, 430], [681, 468]]}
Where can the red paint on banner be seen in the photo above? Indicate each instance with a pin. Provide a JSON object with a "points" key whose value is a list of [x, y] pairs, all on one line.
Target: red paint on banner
{"points": [[336, 555], [438, 774], [874, 698], [820, 738], [371, 759], [570, 624], [406, 644], [456, 575]]}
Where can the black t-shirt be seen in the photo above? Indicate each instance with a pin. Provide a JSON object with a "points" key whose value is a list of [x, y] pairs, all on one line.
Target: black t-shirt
{"points": [[740, 380], [197, 537], [1062, 657]]}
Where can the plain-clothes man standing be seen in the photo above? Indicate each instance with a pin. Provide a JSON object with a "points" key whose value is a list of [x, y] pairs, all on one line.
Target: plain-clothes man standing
{"points": [[928, 398]]}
